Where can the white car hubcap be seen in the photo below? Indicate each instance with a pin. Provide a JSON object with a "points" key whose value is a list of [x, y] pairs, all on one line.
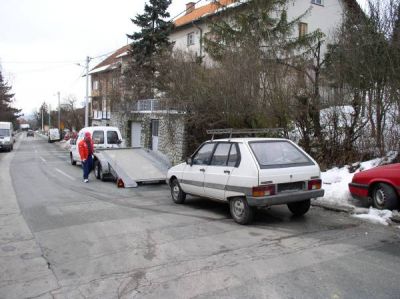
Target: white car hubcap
{"points": [[238, 208], [380, 197]]}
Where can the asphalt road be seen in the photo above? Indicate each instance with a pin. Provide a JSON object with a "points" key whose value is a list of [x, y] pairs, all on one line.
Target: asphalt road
{"points": [[76, 240]]}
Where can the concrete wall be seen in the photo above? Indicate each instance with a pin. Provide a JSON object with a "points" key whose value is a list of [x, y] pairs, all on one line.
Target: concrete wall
{"points": [[172, 141]]}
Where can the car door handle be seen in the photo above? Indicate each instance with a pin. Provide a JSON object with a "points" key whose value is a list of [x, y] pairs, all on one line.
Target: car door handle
{"points": [[202, 170], [227, 171]]}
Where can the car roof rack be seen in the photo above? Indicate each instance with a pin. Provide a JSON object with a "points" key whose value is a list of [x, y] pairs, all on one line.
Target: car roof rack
{"points": [[232, 131]]}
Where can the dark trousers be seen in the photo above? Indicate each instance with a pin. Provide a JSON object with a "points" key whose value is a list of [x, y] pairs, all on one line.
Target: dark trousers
{"points": [[87, 167]]}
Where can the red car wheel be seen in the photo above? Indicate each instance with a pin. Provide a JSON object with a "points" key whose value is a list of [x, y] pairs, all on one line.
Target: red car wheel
{"points": [[384, 197]]}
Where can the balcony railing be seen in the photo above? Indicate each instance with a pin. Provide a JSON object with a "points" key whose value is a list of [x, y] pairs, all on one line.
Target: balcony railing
{"points": [[98, 114], [148, 106]]}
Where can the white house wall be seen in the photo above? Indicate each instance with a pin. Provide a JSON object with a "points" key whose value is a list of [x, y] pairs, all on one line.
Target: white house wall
{"points": [[326, 17]]}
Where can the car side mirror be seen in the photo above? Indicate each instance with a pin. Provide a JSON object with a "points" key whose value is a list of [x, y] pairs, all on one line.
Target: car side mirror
{"points": [[189, 161], [119, 141]]}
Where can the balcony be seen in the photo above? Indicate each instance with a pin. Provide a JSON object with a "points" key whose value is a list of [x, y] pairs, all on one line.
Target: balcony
{"points": [[99, 115], [148, 106]]}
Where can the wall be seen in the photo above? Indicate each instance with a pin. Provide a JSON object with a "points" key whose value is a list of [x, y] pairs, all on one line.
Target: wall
{"points": [[172, 141]]}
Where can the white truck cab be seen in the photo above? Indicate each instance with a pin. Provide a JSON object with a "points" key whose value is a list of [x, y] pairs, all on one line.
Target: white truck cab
{"points": [[103, 137], [249, 173], [6, 136]]}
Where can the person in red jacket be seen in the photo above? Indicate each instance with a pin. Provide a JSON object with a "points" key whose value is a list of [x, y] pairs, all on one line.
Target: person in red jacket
{"points": [[85, 147]]}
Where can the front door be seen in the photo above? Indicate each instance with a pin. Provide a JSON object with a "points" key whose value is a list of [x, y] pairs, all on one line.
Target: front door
{"points": [[136, 134], [193, 176], [222, 164], [154, 134]]}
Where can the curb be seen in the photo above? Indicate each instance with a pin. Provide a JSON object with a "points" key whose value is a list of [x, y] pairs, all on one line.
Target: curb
{"points": [[335, 208], [348, 210]]}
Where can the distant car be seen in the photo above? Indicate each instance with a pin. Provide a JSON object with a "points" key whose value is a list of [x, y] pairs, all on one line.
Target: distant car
{"points": [[30, 133], [381, 184], [249, 173]]}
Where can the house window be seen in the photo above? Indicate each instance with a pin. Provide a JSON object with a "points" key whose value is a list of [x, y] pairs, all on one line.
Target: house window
{"points": [[318, 2], [95, 85], [303, 29], [190, 39]]}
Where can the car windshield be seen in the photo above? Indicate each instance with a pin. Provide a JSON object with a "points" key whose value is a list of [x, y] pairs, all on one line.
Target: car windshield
{"points": [[278, 154], [4, 132]]}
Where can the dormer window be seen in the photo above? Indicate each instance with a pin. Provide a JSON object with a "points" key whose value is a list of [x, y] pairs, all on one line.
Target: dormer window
{"points": [[190, 39], [318, 2]]}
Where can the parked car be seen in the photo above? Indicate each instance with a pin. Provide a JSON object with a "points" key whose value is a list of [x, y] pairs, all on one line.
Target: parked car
{"points": [[381, 184], [54, 135], [30, 133], [6, 136], [248, 173]]}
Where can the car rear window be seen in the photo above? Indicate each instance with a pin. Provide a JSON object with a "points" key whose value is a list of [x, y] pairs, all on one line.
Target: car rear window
{"points": [[278, 154]]}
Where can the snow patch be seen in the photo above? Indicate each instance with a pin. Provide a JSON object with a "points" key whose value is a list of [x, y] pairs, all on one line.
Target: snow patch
{"points": [[376, 216]]}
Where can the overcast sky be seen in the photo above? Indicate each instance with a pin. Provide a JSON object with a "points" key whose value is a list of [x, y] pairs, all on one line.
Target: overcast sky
{"points": [[42, 41]]}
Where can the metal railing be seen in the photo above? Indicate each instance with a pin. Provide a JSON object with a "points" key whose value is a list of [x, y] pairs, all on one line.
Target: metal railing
{"points": [[98, 114], [148, 105]]}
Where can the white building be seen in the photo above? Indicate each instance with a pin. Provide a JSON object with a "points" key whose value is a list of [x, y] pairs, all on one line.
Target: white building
{"points": [[191, 28]]}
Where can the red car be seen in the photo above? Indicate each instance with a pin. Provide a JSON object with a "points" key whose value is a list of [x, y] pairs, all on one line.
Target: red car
{"points": [[381, 184]]}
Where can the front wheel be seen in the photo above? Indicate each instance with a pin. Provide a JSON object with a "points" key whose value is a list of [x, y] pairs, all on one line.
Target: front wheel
{"points": [[299, 208], [384, 197], [240, 210], [178, 196]]}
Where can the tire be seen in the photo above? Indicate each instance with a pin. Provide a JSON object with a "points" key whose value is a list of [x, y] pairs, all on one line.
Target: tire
{"points": [[98, 172], [299, 208], [73, 162], [177, 194], [384, 197], [240, 210]]}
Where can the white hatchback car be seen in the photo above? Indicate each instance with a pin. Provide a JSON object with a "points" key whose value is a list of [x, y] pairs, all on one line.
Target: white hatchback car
{"points": [[249, 173]]}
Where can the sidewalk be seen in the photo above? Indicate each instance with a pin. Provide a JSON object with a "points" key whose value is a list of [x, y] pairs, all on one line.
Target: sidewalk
{"points": [[24, 270]]}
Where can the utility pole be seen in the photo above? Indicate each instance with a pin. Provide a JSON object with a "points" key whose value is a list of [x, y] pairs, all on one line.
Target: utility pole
{"points": [[49, 116], [59, 112], [42, 118], [87, 93]]}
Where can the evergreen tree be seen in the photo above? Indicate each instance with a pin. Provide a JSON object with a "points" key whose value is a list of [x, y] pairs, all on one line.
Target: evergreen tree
{"points": [[148, 45], [7, 112]]}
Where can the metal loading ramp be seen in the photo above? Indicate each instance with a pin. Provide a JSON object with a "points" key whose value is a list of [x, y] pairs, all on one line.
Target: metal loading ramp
{"points": [[135, 165]]}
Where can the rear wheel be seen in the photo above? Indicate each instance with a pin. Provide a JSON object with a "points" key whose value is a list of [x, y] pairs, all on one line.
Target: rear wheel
{"points": [[73, 162], [240, 210], [384, 197], [299, 208], [178, 196], [98, 171]]}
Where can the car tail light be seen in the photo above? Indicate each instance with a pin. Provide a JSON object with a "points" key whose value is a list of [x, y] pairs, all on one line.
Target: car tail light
{"points": [[314, 184], [261, 191]]}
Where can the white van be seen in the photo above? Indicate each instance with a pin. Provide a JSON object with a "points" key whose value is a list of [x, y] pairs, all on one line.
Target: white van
{"points": [[103, 137], [6, 136], [54, 135]]}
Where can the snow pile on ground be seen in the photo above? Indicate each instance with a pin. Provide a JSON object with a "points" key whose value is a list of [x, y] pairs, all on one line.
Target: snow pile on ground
{"points": [[335, 182], [376, 216], [65, 144]]}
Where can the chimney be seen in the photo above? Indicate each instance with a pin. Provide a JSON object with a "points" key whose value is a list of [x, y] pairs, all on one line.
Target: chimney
{"points": [[189, 7]]}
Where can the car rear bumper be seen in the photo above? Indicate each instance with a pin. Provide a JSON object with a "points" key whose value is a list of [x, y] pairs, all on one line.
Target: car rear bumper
{"points": [[284, 198]]}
